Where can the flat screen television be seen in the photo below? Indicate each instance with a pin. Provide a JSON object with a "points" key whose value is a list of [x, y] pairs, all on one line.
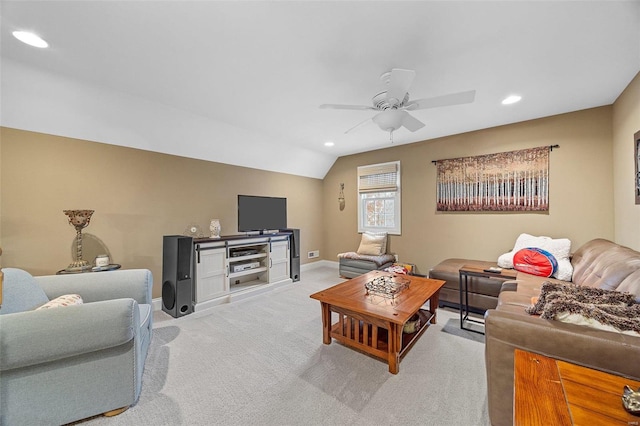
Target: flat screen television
{"points": [[261, 213]]}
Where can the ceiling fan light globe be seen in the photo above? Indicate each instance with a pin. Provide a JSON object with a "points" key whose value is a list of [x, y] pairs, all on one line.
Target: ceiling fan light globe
{"points": [[389, 120]]}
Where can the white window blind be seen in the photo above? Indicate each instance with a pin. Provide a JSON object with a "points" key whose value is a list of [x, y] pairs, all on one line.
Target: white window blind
{"points": [[378, 178]]}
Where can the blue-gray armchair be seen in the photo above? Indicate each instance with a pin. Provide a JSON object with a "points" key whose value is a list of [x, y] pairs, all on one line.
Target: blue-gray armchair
{"points": [[68, 363]]}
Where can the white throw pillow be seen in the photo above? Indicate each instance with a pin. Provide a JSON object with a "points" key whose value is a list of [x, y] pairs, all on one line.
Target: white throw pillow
{"points": [[373, 244], [560, 249]]}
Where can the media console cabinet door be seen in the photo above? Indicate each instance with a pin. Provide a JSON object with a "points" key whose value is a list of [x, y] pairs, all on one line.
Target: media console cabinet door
{"points": [[211, 275], [279, 261]]}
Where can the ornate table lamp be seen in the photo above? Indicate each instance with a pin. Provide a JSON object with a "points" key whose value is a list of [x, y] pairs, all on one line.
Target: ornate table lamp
{"points": [[79, 219]]}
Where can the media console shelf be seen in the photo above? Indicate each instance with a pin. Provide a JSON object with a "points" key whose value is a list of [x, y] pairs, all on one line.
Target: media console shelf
{"points": [[234, 267]]}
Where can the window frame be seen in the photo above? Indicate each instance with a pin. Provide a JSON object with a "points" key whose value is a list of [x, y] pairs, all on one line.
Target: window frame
{"points": [[388, 187]]}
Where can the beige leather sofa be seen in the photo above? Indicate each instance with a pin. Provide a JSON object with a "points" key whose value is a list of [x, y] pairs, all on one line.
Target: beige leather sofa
{"points": [[598, 263]]}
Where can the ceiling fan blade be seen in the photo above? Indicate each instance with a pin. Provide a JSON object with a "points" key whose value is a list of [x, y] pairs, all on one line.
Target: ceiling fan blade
{"points": [[411, 123], [399, 83], [338, 106], [362, 123], [440, 101]]}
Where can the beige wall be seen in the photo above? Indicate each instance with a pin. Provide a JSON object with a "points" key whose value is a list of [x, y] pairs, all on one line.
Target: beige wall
{"points": [[626, 122], [581, 200], [138, 196]]}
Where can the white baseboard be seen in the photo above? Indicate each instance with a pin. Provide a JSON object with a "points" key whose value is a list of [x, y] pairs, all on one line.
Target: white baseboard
{"points": [[318, 264]]}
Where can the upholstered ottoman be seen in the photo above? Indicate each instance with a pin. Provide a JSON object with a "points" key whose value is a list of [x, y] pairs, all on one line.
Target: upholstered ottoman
{"points": [[483, 292], [353, 264]]}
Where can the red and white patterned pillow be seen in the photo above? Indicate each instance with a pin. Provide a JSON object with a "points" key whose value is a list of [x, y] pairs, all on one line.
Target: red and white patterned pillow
{"points": [[65, 300], [535, 261]]}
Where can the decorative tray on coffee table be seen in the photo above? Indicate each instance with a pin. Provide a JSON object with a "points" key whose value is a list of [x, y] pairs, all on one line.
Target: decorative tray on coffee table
{"points": [[387, 286]]}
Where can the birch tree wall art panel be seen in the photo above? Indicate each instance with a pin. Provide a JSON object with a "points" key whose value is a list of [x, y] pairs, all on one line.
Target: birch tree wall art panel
{"points": [[506, 181]]}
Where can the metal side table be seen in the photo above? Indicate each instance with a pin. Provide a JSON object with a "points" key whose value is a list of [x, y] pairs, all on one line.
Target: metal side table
{"points": [[476, 271]]}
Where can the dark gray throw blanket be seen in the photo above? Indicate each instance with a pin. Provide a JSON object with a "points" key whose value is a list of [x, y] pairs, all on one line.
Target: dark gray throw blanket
{"points": [[608, 307], [378, 260]]}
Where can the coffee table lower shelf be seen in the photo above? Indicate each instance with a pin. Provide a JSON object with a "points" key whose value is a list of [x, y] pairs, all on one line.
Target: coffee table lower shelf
{"points": [[372, 337]]}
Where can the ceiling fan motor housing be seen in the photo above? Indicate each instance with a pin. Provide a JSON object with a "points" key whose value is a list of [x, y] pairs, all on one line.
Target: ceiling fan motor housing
{"points": [[382, 102]]}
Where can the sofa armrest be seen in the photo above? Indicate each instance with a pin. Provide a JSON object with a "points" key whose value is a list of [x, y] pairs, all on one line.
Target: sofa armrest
{"points": [[509, 285], [96, 286], [614, 353], [35, 337]]}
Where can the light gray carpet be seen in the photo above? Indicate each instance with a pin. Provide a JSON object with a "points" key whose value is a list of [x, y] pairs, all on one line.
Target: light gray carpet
{"points": [[453, 327], [261, 361]]}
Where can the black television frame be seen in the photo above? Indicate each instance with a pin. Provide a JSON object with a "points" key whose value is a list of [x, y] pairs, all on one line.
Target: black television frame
{"points": [[271, 205]]}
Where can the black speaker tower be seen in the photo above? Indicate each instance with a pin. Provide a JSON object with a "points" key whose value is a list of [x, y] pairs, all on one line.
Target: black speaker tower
{"points": [[177, 276], [294, 252]]}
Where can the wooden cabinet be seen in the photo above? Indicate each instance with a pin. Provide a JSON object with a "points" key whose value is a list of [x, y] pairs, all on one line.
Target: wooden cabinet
{"points": [[235, 267], [211, 271], [279, 261], [554, 392]]}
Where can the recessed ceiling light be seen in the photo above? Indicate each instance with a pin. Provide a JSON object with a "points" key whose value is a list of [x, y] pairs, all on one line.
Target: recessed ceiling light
{"points": [[30, 38], [329, 143], [511, 99]]}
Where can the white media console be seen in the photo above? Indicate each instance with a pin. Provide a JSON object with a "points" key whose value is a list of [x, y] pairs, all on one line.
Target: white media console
{"points": [[230, 268]]}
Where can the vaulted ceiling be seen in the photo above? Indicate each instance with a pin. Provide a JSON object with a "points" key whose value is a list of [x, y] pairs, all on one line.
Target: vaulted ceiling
{"points": [[255, 73]]}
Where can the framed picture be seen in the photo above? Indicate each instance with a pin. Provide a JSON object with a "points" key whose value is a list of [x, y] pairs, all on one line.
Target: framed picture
{"points": [[636, 144]]}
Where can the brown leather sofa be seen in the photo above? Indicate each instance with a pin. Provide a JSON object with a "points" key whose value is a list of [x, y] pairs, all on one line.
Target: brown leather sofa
{"points": [[598, 263], [483, 292]]}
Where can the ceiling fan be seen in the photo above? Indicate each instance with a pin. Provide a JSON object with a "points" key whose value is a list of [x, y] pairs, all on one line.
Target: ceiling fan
{"points": [[394, 103]]}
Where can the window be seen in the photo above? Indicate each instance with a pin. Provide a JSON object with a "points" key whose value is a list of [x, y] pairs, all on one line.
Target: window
{"points": [[379, 198]]}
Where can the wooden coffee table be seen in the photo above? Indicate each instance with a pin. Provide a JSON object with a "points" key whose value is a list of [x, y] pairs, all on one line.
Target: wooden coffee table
{"points": [[374, 324]]}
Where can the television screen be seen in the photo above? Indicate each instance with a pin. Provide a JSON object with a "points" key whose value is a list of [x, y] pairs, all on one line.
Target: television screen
{"points": [[261, 213]]}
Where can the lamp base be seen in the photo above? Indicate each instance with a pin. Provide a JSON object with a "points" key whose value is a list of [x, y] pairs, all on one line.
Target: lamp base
{"points": [[78, 266]]}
